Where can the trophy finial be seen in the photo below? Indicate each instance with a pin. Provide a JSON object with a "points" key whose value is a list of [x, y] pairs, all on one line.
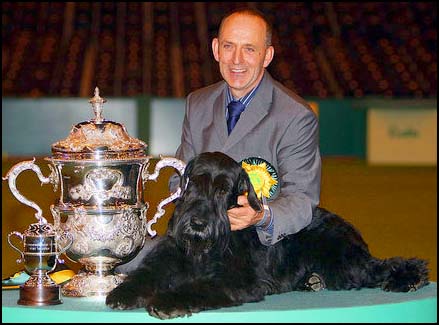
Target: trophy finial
{"points": [[97, 104]]}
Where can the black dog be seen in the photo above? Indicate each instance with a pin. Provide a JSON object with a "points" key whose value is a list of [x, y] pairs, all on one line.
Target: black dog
{"points": [[200, 264]]}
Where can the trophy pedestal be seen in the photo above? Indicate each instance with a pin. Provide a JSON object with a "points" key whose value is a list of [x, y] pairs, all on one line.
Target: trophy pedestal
{"points": [[87, 284], [39, 295], [96, 279]]}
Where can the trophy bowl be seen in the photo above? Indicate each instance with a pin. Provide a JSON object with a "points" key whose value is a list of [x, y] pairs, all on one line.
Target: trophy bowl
{"points": [[100, 171]]}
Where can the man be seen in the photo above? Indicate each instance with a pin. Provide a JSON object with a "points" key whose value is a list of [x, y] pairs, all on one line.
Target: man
{"points": [[276, 125]]}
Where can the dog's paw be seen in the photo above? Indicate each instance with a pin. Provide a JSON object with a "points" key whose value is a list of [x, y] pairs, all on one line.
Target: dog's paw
{"points": [[406, 276], [167, 313], [394, 286], [123, 299], [167, 308]]}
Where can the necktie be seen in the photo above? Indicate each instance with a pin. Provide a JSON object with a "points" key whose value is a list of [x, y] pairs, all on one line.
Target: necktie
{"points": [[235, 109]]}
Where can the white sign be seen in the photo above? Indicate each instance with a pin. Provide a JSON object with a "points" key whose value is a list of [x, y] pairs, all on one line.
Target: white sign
{"points": [[402, 136]]}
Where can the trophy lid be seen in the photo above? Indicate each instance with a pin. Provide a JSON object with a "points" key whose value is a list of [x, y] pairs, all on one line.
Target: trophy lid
{"points": [[40, 229], [98, 139]]}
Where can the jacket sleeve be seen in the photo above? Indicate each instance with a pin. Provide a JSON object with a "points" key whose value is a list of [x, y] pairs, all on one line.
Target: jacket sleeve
{"points": [[299, 165]]}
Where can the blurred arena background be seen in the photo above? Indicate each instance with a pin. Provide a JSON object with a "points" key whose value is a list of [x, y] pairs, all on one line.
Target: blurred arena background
{"points": [[369, 69]]}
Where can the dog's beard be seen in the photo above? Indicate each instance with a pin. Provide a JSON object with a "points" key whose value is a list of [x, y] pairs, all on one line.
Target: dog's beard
{"points": [[196, 247]]}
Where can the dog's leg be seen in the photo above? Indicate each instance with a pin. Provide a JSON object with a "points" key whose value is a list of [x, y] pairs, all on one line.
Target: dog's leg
{"points": [[140, 286], [130, 294], [192, 298], [335, 249], [399, 274], [158, 271]]}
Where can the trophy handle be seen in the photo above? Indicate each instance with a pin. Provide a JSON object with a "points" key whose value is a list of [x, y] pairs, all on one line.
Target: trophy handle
{"points": [[69, 237], [19, 235], [163, 162], [18, 169]]}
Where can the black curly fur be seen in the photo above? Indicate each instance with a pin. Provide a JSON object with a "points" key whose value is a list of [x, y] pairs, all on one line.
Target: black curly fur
{"points": [[200, 264]]}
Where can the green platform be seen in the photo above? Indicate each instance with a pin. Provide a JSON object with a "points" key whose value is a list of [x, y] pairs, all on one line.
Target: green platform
{"points": [[366, 305]]}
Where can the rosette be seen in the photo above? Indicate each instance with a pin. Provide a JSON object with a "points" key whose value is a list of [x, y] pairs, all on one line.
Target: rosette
{"points": [[263, 176]]}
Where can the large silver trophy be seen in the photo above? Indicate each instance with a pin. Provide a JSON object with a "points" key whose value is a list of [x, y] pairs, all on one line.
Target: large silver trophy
{"points": [[101, 171]]}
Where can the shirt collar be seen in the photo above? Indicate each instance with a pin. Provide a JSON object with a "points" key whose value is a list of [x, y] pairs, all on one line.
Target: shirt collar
{"points": [[246, 99]]}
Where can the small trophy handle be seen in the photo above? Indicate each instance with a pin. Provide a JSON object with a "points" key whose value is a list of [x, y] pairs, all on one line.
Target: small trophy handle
{"points": [[19, 235], [163, 162], [13, 174]]}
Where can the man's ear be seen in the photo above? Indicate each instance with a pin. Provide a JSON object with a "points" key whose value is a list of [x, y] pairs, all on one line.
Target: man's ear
{"points": [[269, 54], [215, 49], [244, 185]]}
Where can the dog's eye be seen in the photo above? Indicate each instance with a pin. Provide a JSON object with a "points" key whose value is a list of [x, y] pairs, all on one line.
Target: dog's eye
{"points": [[222, 184]]}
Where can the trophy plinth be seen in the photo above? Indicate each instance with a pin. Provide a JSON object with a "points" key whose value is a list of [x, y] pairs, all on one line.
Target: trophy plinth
{"points": [[39, 290]]}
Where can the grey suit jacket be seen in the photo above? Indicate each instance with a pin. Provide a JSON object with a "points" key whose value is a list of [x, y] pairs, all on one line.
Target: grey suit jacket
{"points": [[277, 126]]}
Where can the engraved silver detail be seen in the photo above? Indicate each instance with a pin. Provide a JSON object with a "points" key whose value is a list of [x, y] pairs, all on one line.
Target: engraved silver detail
{"points": [[96, 183], [86, 284]]}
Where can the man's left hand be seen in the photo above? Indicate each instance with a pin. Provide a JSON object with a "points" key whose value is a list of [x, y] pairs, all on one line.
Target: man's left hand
{"points": [[243, 216]]}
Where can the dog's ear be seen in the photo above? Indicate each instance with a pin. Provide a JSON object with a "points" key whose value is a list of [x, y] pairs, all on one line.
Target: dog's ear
{"points": [[244, 185], [184, 179]]}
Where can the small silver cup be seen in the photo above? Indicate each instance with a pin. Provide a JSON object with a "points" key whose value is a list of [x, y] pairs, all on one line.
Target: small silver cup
{"points": [[40, 255]]}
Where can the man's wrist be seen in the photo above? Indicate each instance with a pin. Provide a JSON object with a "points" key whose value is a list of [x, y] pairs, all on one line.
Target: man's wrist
{"points": [[265, 222]]}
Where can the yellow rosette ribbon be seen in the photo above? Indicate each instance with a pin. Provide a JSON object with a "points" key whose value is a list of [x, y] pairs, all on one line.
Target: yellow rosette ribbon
{"points": [[262, 180]]}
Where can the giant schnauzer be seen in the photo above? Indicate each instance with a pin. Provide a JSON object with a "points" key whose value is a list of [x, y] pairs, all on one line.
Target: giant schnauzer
{"points": [[201, 264]]}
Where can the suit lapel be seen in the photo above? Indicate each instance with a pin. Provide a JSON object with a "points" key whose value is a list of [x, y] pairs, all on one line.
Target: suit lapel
{"points": [[253, 114], [219, 119]]}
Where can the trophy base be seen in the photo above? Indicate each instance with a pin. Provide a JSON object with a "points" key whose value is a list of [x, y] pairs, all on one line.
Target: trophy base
{"points": [[87, 284], [39, 295]]}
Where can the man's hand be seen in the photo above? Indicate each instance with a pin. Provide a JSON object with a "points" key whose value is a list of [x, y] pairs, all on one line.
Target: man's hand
{"points": [[244, 216]]}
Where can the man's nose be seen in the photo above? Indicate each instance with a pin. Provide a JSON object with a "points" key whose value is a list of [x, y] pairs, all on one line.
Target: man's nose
{"points": [[237, 56]]}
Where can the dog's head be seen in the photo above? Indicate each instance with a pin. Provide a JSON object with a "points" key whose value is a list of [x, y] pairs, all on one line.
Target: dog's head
{"points": [[211, 184]]}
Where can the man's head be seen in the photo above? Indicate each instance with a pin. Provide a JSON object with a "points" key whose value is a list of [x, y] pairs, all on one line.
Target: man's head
{"points": [[243, 49]]}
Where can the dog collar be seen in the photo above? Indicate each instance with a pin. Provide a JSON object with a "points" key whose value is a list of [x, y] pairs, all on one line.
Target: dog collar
{"points": [[263, 176]]}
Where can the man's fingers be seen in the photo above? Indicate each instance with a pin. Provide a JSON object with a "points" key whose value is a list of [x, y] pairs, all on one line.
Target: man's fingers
{"points": [[242, 200]]}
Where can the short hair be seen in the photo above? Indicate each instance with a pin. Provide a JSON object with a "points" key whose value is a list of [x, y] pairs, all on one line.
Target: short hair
{"points": [[255, 13]]}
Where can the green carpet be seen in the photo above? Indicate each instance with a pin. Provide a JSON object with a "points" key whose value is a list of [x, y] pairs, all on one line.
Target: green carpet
{"points": [[365, 305]]}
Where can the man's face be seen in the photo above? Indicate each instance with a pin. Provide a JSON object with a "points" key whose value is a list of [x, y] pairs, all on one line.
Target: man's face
{"points": [[241, 52]]}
